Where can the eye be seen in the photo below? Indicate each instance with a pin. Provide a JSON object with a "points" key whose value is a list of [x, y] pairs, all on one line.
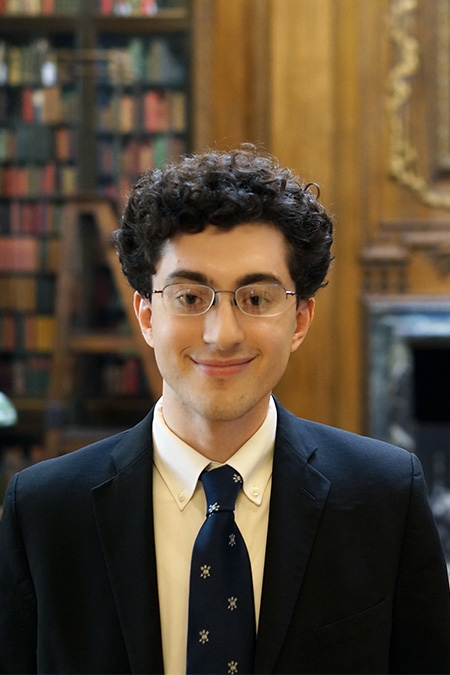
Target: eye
{"points": [[190, 298], [187, 298], [256, 299]]}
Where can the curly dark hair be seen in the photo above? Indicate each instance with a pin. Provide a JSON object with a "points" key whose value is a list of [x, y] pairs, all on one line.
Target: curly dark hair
{"points": [[224, 189]]}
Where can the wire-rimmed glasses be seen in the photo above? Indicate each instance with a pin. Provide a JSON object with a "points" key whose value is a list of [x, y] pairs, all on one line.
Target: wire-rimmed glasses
{"points": [[186, 299]]}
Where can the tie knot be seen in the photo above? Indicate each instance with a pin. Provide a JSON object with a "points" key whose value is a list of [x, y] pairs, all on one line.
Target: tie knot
{"points": [[221, 487]]}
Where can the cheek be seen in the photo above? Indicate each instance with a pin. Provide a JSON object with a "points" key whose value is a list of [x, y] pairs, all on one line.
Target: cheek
{"points": [[159, 336], [276, 340], [170, 338]]}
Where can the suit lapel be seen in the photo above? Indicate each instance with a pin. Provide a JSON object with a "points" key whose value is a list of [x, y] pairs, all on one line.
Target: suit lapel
{"points": [[299, 494], [124, 510], [124, 515]]}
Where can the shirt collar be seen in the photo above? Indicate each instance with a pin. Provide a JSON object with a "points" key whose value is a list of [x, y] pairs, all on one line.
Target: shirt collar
{"points": [[180, 465]]}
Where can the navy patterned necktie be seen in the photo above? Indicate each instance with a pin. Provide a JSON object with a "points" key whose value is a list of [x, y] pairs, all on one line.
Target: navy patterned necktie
{"points": [[221, 627]]}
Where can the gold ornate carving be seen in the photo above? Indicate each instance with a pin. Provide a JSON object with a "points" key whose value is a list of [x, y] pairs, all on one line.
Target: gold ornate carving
{"points": [[403, 149]]}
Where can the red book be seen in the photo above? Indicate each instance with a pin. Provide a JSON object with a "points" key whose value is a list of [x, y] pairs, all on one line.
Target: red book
{"points": [[49, 178], [149, 7], [131, 377], [19, 254], [37, 209], [48, 7], [106, 6], [157, 112], [22, 181], [27, 105], [9, 181]]}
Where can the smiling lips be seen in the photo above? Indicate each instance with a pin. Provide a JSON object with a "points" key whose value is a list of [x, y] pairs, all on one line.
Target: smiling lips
{"points": [[222, 367]]}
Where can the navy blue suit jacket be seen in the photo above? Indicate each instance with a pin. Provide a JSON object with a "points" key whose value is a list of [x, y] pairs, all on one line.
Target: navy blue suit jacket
{"points": [[354, 579]]}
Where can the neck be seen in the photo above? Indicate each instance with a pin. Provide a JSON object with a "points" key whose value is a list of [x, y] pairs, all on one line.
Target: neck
{"points": [[215, 439]]}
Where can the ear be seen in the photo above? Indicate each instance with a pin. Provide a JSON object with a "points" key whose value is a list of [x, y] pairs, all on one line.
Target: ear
{"points": [[303, 319], [143, 311]]}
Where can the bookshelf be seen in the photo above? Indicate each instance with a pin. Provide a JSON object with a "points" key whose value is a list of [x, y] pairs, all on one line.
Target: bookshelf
{"points": [[92, 93], [142, 106]]}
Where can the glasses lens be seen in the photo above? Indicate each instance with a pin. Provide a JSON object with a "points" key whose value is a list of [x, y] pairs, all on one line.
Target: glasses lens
{"points": [[187, 299], [261, 299]]}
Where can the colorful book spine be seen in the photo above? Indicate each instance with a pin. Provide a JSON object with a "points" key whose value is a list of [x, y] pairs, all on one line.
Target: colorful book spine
{"points": [[122, 377], [25, 376], [38, 7], [19, 254]]}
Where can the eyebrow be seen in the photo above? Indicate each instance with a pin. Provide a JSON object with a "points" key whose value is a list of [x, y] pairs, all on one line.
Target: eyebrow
{"points": [[186, 275], [199, 278]]}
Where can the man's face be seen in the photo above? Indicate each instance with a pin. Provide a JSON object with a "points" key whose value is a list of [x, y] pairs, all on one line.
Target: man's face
{"points": [[222, 365]]}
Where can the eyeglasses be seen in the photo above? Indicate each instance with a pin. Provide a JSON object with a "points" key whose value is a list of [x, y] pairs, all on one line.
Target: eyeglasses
{"points": [[185, 299]]}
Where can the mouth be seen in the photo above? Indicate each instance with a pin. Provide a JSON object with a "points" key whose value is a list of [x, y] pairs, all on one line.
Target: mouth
{"points": [[222, 367]]}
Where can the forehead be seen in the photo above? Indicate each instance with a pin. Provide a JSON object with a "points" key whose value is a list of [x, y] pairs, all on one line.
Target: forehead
{"points": [[249, 248]]}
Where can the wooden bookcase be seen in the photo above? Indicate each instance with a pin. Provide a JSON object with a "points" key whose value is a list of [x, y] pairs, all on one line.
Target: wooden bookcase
{"points": [[91, 94]]}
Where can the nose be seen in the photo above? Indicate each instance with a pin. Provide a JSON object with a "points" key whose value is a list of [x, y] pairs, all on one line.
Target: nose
{"points": [[222, 326]]}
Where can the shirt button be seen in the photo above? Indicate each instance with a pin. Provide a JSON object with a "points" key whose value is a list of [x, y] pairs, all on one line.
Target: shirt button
{"points": [[181, 497], [255, 491]]}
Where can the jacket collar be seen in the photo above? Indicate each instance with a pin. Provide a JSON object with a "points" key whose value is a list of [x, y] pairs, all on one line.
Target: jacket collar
{"points": [[124, 510]]}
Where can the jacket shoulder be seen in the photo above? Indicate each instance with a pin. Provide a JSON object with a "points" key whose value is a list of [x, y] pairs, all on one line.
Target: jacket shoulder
{"points": [[339, 452], [90, 465]]}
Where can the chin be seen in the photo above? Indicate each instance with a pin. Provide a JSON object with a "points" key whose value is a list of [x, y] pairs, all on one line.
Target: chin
{"points": [[221, 410]]}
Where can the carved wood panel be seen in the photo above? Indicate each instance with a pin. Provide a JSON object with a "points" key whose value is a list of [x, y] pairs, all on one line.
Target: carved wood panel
{"points": [[418, 118]]}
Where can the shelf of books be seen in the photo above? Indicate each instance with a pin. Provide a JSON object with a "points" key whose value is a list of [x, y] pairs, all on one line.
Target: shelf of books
{"points": [[92, 93], [122, 8], [38, 168], [142, 106]]}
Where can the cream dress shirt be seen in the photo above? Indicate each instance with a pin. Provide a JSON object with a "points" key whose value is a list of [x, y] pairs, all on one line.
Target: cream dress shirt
{"points": [[179, 511]]}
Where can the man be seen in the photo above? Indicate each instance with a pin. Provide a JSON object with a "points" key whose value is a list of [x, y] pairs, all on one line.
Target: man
{"points": [[226, 252]]}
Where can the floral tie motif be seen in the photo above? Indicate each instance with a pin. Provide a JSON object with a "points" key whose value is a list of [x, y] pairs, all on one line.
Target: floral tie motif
{"points": [[204, 636], [205, 571], [221, 631], [232, 603]]}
